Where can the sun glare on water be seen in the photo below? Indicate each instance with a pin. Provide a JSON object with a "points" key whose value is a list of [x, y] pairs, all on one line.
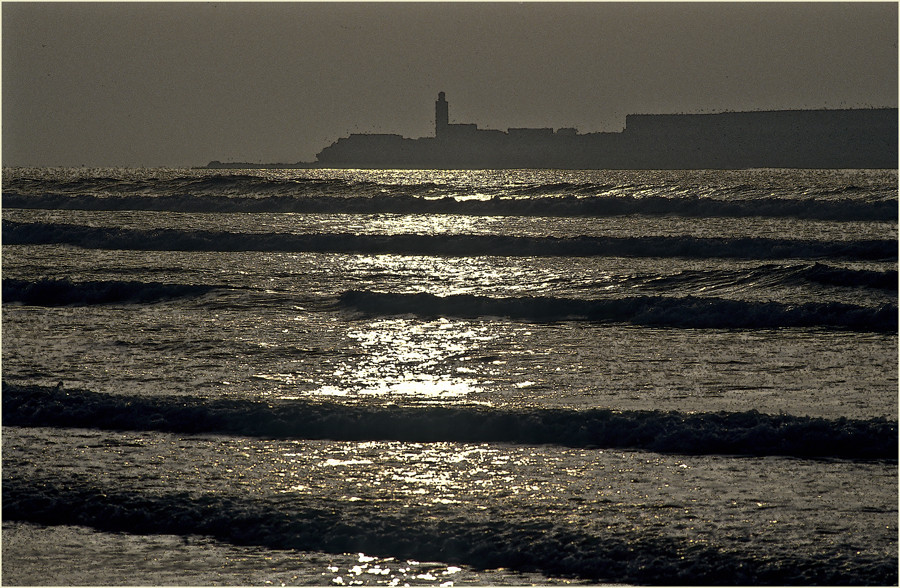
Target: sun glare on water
{"points": [[410, 359]]}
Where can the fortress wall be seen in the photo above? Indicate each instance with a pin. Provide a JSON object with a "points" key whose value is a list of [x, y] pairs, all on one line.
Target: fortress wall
{"points": [[771, 122], [789, 138], [803, 139]]}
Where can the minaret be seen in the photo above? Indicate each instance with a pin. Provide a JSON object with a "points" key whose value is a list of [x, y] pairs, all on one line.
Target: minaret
{"points": [[441, 116]]}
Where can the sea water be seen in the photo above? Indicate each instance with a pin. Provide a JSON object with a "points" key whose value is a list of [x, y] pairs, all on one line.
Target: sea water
{"points": [[351, 377]]}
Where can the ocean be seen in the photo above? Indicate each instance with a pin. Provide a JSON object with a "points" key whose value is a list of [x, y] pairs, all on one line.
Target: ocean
{"points": [[407, 377]]}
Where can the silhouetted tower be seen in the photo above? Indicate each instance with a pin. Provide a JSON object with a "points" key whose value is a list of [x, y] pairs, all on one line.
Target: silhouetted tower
{"points": [[441, 116]]}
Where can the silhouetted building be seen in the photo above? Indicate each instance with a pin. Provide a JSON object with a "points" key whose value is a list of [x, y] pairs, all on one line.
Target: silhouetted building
{"points": [[853, 138], [441, 115]]}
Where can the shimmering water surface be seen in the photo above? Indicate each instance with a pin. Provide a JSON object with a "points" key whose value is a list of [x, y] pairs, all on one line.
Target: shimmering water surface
{"points": [[411, 377]]}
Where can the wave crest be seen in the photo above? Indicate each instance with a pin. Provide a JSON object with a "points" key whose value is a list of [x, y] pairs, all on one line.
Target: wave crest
{"points": [[744, 433], [484, 542], [17, 233], [63, 292], [772, 275], [336, 196], [687, 312]]}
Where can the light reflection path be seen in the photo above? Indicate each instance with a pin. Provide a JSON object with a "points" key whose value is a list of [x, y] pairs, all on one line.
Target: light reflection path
{"points": [[411, 359]]}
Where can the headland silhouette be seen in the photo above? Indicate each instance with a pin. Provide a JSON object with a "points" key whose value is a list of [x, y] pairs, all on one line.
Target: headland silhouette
{"points": [[814, 139]]}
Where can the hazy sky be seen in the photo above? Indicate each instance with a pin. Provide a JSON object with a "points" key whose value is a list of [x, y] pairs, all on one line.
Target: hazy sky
{"points": [[154, 84]]}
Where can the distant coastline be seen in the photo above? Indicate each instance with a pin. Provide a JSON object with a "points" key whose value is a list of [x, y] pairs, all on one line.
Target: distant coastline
{"points": [[246, 165], [814, 139]]}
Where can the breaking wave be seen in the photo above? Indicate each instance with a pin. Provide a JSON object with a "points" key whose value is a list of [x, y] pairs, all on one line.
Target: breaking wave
{"points": [[409, 200], [744, 433], [683, 312], [484, 542], [831, 276], [856, 196], [773, 275], [48, 292], [16, 233]]}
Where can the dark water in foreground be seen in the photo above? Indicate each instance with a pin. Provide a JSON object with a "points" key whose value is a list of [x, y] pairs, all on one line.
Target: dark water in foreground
{"points": [[436, 378]]}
